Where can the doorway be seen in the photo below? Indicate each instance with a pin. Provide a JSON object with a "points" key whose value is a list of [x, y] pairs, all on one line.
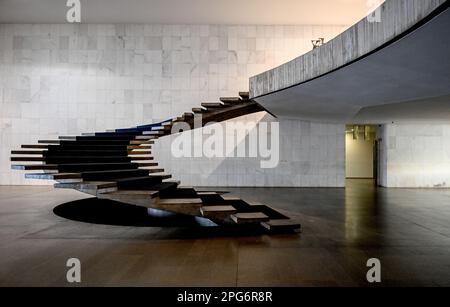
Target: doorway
{"points": [[361, 152]]}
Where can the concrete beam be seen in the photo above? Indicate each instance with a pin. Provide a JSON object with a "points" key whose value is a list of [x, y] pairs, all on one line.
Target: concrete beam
{"points": [[397, 16]]}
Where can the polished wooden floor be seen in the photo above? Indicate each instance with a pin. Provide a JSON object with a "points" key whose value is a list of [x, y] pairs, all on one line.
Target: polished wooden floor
{"points": [[408, 230]]}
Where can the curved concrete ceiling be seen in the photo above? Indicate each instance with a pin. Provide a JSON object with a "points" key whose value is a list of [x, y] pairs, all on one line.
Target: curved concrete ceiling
{"points": [[321, 12], [406, 80]]}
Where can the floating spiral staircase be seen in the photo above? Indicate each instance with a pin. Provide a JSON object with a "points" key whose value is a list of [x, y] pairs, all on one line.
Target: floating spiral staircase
{"points": [[118, 165]]}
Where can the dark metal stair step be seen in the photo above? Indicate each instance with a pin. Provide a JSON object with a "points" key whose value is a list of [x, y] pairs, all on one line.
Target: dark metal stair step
{"points": [[281, 225], [34, 167], [182, 192], [106, 137], [200, 110], [154, 132], [95, 147], [88, 142], [80, 167], [49, 141], [161, 175], [95, 186], [180, 201], [110, 175], [210, 197], [55, 176], [84, 152], [169, 121], [231, 99], [86, 167], [74, 159], [213, 105], [28, 152], [113, 134], [189, 206], [27, 159], [131, 193], [132, 197], [217, 212], [67, 137], [164, 188], [153, 169], [167, 127], [36, 146], [138, 183], [249, 217], [108, 153], [244, 95]]}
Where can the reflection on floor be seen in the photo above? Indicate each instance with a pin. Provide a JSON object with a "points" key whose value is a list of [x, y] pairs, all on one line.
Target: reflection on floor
{"points": [[408, 230]]}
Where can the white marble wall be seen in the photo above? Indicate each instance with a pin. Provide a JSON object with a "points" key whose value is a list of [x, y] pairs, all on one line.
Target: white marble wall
{"points": [[415, 155], [68, 79], [311, 155]]}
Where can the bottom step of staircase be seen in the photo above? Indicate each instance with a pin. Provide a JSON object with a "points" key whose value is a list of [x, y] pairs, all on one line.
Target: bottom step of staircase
{"points": [[249, 218], [281, 224]]}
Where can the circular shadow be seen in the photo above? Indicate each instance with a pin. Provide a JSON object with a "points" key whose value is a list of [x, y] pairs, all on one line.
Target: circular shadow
{"points": [[109, 212], [176, 226]]}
